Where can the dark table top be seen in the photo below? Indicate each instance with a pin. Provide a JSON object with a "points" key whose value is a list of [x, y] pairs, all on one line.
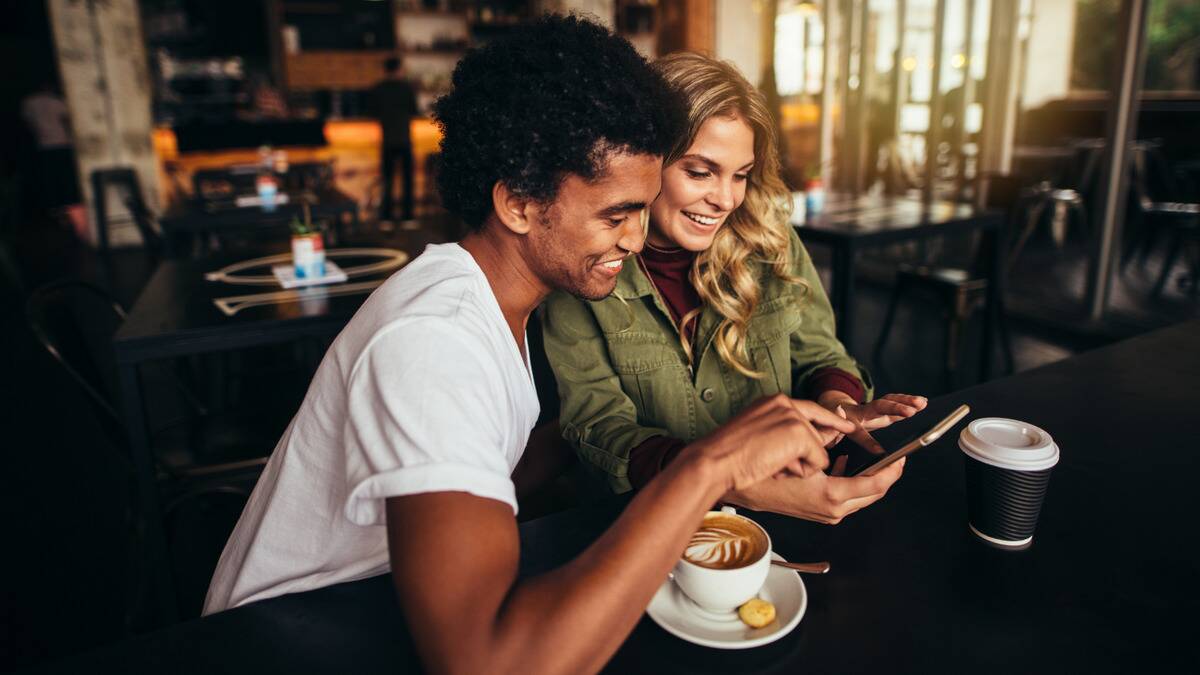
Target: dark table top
{"points": [[880, 219], [192, 215], [1109, 584], [175, 313]]}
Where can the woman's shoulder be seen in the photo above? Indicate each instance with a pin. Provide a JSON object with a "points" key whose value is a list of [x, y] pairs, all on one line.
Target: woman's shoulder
{"points": [[795, 246], [567, 315], [561, 303], [790, 248], [798, 253], [799, 266]]}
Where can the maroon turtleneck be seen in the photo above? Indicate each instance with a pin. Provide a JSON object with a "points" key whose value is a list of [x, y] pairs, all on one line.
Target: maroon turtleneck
{"points": [[669, 272]]}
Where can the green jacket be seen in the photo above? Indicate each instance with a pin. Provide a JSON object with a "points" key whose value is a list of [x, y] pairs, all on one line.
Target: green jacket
{"points": [[623, 376]]}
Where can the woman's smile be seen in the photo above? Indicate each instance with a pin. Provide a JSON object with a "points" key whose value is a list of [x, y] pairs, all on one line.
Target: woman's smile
{"points": [[702, 188]]}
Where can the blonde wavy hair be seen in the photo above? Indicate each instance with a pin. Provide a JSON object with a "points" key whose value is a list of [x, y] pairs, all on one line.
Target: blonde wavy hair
{"points": [[727, 276]]}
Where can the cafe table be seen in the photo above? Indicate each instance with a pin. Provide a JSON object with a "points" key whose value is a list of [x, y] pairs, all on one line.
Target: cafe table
{"points": [[848, 224], [183, 312], [186, 219], [1110, 583]]}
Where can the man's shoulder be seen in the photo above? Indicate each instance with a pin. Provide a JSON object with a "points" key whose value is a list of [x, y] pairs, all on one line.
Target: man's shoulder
{"points": [[442, 292]]}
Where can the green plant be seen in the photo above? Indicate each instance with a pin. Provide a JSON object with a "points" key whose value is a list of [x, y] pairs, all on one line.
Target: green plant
{"points": [[303, 227], [1172, 45]]}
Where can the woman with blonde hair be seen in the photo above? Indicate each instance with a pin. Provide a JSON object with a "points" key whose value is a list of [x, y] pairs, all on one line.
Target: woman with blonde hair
{"points": [[721, 307]]}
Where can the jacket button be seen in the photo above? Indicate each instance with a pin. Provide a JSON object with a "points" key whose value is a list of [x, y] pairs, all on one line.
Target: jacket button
{"points": [[707, 395]]}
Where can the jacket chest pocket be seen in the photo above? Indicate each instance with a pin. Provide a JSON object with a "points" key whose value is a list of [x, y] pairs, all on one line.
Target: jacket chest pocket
{"points": [[653, 375], [768, 343]]}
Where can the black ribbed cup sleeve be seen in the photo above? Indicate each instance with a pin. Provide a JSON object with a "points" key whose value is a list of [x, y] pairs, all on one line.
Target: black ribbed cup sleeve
{"points": [[1003, 503]]}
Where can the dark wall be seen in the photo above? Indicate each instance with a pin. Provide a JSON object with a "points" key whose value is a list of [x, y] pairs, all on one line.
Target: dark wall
{"points": [[25, 40], [195, 29]]}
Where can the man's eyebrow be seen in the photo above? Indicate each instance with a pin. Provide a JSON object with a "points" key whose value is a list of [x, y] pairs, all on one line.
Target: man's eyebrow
{"points": [[623, 207], [713, 165]]}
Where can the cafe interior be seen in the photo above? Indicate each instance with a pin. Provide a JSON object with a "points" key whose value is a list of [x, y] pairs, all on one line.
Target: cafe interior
{"points": [[1001, 199]]}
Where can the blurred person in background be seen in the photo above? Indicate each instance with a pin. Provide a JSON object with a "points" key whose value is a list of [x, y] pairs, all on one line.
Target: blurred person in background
{"points": [[56, 184], [394, 103]]}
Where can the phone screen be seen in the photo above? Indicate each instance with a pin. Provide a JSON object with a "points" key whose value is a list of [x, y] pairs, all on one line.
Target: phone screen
{"points": [[859, 458], [860, 461], [863, 460]]}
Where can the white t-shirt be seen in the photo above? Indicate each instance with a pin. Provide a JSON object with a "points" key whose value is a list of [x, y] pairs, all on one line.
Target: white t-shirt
{"points": [[425, 390]]}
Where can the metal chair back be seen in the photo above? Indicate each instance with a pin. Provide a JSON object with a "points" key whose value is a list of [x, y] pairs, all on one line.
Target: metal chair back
{"points": [[75, 321], [126, 181]]}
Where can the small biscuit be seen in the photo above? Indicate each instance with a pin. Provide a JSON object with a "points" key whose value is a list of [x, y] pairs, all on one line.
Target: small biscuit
{"points": [[756, 613]]}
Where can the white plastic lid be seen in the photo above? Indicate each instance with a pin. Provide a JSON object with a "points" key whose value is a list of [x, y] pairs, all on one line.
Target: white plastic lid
{"points": [[1008, 444]]}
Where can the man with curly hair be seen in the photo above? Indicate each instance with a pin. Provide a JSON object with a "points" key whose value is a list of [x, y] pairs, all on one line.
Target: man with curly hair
{"points": [[401, 455]]}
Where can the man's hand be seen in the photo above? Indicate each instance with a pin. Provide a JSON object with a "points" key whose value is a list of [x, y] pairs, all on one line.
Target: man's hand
{"points": [[817, 497], [868, 417], [773, 434], [454, 556]]}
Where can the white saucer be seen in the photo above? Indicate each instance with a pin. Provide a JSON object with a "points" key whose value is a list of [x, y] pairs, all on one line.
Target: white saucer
{"points": [[681, 617]]}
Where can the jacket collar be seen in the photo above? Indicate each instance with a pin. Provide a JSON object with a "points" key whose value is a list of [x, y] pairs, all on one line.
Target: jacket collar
{"points": [[632, 281]]}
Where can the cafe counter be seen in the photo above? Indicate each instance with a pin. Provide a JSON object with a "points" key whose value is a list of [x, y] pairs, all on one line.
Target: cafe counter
{"points": [[352, 146]]}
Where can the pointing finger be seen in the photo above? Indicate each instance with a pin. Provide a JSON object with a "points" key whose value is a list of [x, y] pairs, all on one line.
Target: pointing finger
{"points": [[820, 415]]}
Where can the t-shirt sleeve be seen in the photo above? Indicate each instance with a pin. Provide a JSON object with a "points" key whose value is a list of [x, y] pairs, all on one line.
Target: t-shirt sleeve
{"points": [[426, 412]]}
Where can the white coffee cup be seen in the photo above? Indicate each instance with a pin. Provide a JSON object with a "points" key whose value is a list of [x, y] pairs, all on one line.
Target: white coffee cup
{"points": [[724, 590]]}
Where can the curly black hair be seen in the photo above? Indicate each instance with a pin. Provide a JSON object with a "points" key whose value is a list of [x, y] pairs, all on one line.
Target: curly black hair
{"points": [[552, 98]]}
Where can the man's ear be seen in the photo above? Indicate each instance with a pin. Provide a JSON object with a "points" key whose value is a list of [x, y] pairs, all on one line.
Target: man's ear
{"points": [[516, 212]]}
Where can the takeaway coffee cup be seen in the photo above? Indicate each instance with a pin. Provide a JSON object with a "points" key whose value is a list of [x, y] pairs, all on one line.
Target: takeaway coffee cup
{"points": [[1008, 468]]}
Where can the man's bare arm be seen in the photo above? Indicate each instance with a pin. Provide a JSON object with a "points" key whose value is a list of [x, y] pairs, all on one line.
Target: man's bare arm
{"points": [[455, 556]]}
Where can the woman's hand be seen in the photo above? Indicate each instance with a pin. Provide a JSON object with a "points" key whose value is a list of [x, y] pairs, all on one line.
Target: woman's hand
{"points": [[870, 416], [817, 497], [774, 434]]}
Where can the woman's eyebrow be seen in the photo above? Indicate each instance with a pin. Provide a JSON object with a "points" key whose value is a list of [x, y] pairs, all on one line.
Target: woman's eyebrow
{"points": [[713, 165]]}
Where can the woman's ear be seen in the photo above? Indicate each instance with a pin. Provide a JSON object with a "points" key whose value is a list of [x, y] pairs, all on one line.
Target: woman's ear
{"points": [[514, 211]]}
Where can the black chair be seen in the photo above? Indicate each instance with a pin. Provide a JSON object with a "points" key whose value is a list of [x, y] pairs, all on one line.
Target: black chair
{"points": [[308, 177], [959, 291], [1163, 205], [125, 181], [12, 288], [74, 321], [1064, 196]]}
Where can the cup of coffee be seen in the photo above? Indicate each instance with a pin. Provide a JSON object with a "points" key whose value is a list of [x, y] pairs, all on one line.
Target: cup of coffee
{"points": [[1008, 470], [726, 561]]}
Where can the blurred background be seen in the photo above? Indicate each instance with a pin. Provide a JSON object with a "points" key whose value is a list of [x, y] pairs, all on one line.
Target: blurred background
{"points": [[133, 126]]}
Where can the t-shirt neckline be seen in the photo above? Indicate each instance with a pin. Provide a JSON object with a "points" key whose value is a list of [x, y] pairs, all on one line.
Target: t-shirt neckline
{"points": [[498, 314]]}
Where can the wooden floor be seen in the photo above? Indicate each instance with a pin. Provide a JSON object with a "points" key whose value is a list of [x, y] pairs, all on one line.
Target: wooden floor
{"points": [[67, 574]]}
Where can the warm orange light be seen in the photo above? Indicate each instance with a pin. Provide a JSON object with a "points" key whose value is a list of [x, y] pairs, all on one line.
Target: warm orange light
{"points": [[353, 132], [353, 150], [165, 145], [795, 115]]}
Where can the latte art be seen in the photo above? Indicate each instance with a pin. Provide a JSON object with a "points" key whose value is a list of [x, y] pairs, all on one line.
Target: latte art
{"points": [[725, 542]]}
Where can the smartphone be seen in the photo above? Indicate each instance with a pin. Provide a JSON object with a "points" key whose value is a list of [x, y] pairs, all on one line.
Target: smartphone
{"points": [[937, 431]]}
